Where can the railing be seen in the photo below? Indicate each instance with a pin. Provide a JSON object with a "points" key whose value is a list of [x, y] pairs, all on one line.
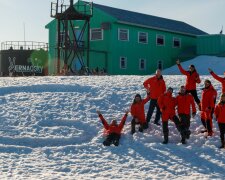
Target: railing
{"points": [[24, 45], [85, 8]]}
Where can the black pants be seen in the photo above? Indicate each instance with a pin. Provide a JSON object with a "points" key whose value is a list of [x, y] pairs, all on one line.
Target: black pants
{"points": [[152, 106], [222, 131], [179, 127], [185, 120], [195, 95], [207, 125], [112, 138], [134, 123], [213, 108]]}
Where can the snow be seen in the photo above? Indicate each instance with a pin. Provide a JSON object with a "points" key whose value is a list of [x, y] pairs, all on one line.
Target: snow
{"points": [[49, 129], [202, 63]]}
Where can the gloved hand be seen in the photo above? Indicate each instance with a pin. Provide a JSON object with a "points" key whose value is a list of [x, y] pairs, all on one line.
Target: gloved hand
{"points": [[98, 112]]}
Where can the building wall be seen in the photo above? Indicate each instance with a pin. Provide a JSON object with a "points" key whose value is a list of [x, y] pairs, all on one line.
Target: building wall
{"points": [[211, 44], [106, 53], [152, 53], [52, 37]]}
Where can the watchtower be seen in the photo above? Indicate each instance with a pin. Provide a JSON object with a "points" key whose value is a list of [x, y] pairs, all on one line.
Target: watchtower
{"points": [[71, 44]]}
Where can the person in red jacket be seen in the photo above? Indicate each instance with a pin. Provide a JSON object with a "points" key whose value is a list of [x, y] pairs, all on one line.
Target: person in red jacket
{"points": [[185, 102], [220, 116], [138, 112], [113, 130], [157, 87], [220, 79], [191, 80], [167, 104], [207, 105]]}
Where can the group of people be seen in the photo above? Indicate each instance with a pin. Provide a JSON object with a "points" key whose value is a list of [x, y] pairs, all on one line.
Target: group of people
{"points": [[161, 99]]}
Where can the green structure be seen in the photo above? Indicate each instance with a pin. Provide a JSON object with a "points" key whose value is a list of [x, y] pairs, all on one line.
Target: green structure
{"points": [[129, 43], [211, 45]]}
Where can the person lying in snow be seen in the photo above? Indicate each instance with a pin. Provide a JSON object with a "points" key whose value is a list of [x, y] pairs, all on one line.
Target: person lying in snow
{"points": [[138, 112], [112, 130]]}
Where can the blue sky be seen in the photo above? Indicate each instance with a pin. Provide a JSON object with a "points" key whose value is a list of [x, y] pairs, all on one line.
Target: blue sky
{"points": [[207, 15]]}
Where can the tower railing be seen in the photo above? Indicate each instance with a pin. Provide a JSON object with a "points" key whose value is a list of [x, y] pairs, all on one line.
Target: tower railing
{"points": [[82, 8]]}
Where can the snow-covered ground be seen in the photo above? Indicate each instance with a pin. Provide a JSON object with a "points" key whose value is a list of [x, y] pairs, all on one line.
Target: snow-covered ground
{"points": [[202, 63], [49, 129]]}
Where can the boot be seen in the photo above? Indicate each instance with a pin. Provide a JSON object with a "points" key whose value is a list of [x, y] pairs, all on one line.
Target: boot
{"points": [[145, 125], [188, 133], [106, 143], [183, 141], [116, 143], [203, 130], [165, 140], [222, 145], [140, 129], [157, 123]]}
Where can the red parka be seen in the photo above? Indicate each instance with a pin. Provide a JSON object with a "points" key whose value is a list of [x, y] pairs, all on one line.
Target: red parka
{"points": [[138, 110], [208, 102], [220, 112], [110, 128], [184, 104], [156, 86], [220, 79], [192, 78], [208, 98], [167, 105]]}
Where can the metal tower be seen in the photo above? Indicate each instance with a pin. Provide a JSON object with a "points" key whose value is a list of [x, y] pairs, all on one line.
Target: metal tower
{"points": [[73, 21]]}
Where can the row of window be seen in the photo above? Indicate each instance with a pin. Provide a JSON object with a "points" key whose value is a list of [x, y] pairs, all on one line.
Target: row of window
{"points": [[142, 64], [123, 35]]}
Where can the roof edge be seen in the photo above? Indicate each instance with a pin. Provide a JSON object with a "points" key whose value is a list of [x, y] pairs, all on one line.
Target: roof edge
{"points": [[161, 29]]}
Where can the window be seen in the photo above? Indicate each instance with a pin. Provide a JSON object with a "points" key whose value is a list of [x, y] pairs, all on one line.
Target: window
{"points": [[160, 65], [142, 64], [176, 42], [143, 37], [160, 40], [96, 34], [123, 34], [123, 62]]}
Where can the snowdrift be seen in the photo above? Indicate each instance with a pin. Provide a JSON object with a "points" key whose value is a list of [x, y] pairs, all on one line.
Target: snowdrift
{"points": [[202, 63]]}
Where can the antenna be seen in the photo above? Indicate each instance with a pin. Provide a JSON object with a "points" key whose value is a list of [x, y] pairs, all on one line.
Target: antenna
{"points": [[24, 32], [71, 2]]}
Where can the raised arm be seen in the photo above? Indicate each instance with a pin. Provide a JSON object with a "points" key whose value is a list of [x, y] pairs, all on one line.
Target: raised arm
{"points": [[215, 76], [181, 68], [104, 122], [122, 122]]}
